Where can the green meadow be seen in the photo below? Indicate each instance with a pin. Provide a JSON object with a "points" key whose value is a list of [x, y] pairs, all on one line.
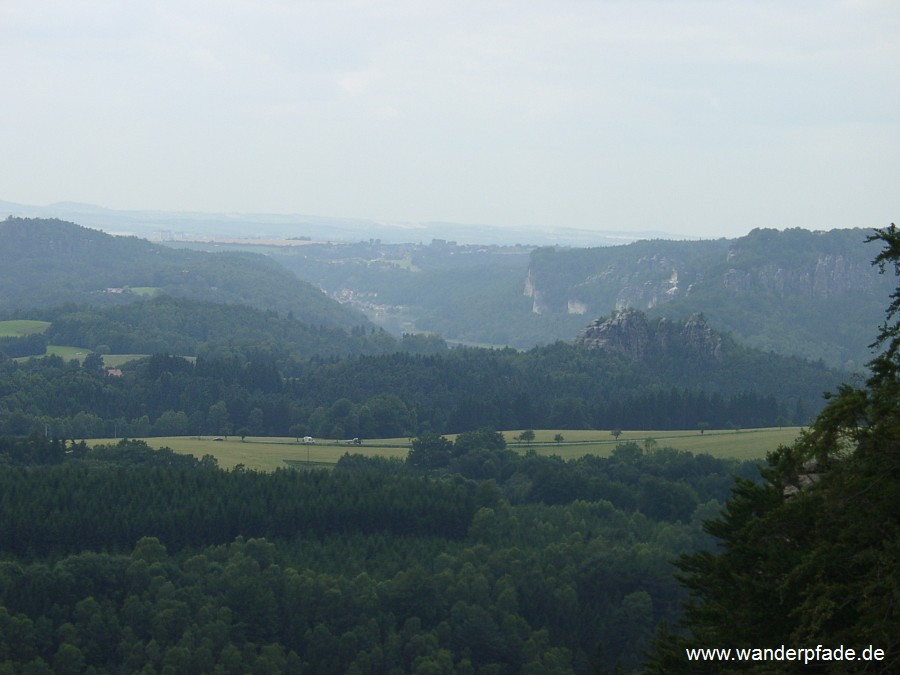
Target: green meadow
{"points": [[268, 454], [20, 327], [67, 353], [118, 360]]}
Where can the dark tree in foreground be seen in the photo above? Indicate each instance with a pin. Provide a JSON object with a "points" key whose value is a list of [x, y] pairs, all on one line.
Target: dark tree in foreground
{"points": [[812, 555]]}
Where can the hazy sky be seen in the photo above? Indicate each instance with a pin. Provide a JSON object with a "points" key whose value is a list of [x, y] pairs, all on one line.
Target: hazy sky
{"points": [[705, 118]]}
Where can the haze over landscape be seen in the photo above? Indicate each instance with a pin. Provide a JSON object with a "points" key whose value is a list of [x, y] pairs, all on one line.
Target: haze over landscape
{"points": [[496, 338], [693, 118]]}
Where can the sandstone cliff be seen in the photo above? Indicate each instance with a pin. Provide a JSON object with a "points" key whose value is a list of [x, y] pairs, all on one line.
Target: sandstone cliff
{"points": [[629, 332], [794, 291]]}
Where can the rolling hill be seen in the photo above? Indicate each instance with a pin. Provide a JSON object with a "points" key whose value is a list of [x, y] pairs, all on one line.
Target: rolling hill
{"points": [[794, 292], [46, 263]]}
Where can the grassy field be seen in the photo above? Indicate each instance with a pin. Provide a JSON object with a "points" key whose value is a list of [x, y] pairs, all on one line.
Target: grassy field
{"points": [[117, 360], [740, 444], [68, 353], [20, 327], [267, 454]]}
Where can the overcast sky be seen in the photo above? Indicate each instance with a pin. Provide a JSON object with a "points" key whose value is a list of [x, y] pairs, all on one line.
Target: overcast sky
{"points": [[703, 118]]}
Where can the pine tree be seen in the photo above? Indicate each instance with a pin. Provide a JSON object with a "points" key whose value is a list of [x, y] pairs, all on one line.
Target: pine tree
{"points": [[810, 556]]}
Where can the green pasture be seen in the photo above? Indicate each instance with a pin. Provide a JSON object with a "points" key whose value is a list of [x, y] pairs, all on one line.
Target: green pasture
{"points": [[148, 291], [20, 327], [65, 352], [118, 360], [267, 454], [737, 444], [68, 353]]}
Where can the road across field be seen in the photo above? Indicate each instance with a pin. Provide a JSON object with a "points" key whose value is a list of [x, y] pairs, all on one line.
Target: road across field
{"points": [[267, 453]]}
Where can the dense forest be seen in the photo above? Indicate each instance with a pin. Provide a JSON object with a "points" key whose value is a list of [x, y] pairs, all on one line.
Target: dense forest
{"points": [[193, 327], [466, 558], [810, 556], [774, 290], [259, 386], [46, 263]]}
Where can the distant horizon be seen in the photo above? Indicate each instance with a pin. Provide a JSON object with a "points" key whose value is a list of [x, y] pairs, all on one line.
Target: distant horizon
{"points": [[211, 224], [204, 222], [706, 119]]}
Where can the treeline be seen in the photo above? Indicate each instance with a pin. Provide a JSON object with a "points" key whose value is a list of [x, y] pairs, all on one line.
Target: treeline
{"points": [[402, 394], [773, 290], [34, 344], [122, 558], [45, 263], [192, 327], [809, 557], [71, 507]]}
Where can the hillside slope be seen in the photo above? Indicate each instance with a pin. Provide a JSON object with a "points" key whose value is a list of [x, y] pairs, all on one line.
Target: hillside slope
{"points": [[46, 263], [794, 292], [193, 327], [811, 294]]}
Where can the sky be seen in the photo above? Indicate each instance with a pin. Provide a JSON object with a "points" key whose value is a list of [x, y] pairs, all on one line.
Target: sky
{"points": [[703, 118]]}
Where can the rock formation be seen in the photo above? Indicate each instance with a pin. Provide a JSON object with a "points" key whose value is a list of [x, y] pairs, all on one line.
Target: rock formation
{"points": [[628, 332]]}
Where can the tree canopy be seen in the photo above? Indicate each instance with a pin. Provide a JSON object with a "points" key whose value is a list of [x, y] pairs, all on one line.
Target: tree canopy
{"points": [[810, 556]]}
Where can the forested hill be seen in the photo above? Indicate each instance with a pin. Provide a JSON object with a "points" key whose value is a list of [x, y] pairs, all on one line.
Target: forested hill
{"points": [[795, 292], [45, 263], [257, 386], [193, 327], [813, 294]]}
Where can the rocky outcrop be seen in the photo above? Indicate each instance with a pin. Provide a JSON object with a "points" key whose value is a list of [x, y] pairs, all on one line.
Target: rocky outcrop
{"points": [[629, 332], [626, 332], [810, 294]]}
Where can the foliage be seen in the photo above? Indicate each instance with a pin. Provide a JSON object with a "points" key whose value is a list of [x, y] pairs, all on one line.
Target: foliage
{"points": [[811, 555], [25, 345], [774, 290], [45, 263], [122, 559], [192, 327], [390, 395]]}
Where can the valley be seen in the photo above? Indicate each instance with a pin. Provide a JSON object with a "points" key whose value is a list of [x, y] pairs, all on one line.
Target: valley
{"points": [[305, 458]]}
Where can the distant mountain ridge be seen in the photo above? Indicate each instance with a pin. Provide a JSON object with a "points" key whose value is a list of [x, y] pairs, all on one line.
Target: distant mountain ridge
{"points": [[812, 294], [45, 263], [147, 223], [794, 292]]}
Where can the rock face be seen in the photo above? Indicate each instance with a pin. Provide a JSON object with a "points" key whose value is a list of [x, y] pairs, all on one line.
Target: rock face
{"points": [[628, 332], [765, 264], [809, 294]]}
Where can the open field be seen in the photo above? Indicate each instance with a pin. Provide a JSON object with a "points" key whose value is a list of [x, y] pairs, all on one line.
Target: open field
{"points": [[68, 353], [267, 454], [20, 327], [118, 360], [740, 444]]}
